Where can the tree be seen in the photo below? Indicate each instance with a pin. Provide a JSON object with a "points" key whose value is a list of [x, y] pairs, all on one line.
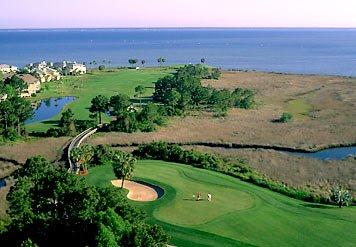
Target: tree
{"points": [[14, 111], [50, 207], [28, 243], [105, 237], [140, 90], [215, 73], [133, 61], [101, 67], [16, 83], [23, 109], [340, 197], [143, 62], [203, 60], [7, 114], [127, 122], [99, 105], [114, 223], [81, 156], [173, 98], [161, 61], [119, 105], [123, 165], [144, 235], [243, 98], [67, 122]]}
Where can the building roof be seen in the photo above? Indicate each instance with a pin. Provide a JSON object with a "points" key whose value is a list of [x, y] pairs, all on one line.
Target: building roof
{"points": [[29, 79], [5, 66], [8, 75]]}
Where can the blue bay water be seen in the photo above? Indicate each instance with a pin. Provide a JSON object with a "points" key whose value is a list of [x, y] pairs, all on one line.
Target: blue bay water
{"points": [[310, 51]]}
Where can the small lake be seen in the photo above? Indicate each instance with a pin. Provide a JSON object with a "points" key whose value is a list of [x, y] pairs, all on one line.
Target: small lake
{"points": [[330, 154], [2, 183], [49, 108]]}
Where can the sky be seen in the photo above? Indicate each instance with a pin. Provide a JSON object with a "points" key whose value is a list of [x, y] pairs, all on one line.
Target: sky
{"points": [[177, 13]]}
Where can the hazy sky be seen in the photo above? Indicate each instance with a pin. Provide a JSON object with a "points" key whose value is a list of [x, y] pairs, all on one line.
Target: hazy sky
{"points": [[177, 13]]}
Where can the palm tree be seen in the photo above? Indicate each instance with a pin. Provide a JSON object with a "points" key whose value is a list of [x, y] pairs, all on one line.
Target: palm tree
{"points": [[161, 60], [133, 61], [340, 196], [81, 156], [123, 165]]}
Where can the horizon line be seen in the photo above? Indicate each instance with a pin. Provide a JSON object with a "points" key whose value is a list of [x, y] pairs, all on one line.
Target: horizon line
{"points": [[208, 27]]}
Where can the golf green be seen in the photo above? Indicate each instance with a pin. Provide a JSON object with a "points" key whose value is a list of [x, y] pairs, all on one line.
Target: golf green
{"points": [[239, 213]]}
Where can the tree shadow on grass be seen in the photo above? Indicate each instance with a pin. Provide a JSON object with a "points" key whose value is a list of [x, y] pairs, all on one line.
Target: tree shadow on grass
{"points": [[321, 206], [51, 122]]}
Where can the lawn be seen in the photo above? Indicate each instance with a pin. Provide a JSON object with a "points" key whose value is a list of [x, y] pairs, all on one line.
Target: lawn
{"points": [[86, 87], [239, 214]]}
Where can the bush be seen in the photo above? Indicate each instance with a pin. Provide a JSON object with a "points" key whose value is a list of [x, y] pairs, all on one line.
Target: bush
{"points": [[101, 67], [11, 135], [286, 117]]}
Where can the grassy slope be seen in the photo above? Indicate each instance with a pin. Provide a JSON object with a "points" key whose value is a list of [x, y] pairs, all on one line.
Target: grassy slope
{"points": [[240, 212], [88, 86]]}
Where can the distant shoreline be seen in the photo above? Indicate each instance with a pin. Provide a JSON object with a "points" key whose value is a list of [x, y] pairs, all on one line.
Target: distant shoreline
{"points": [[177, 28]]}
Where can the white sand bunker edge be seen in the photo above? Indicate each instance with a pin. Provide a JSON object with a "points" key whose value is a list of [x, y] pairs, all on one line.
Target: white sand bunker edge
{"points": [[137, 191]]}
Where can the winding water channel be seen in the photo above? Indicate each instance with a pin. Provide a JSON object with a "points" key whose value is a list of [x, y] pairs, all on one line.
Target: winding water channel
{"points": [[338, 153]]}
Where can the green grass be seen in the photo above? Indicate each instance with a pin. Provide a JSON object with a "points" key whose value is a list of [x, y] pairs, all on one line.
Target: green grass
{"points": [[299, 108], [239, 214], [86, 87]]}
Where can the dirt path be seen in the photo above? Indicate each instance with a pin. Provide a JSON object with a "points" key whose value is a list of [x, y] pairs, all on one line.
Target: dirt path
{"points": [[137, 191]]}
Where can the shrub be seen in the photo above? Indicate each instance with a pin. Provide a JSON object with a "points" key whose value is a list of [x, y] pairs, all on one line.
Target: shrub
{"points": [[286, 117], [101, 67]]}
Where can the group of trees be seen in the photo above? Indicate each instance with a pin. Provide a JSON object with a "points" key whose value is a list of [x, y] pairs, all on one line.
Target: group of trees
{"points": [[184, 90], [50, 207], [14, 110], [89, 156], [133, 61], [126, 117]]}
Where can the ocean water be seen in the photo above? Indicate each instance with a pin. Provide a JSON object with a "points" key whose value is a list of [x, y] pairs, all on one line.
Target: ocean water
{"points": [[309, 51]]}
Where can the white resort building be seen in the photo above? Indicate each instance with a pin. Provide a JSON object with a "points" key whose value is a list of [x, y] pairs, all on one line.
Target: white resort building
{"points": [[43, 71], [5, 68], [47, 74], [72, 68]]}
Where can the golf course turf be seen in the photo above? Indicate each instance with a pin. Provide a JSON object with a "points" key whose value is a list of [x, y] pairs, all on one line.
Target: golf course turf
{"points": [[239, 214], [86, 87]]}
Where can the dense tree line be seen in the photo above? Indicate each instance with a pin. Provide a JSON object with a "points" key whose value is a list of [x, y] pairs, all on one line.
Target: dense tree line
{"points": [[14, 110], [236, 168], [183, 90], [50, 207]]}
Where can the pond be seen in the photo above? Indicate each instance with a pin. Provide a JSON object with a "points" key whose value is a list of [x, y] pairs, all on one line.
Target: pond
{"points": [[330, 153], [49, 108], [2, 183]]}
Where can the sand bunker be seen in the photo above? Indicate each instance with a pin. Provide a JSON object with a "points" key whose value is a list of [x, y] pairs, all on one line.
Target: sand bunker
{"points": [[137, 191]]}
